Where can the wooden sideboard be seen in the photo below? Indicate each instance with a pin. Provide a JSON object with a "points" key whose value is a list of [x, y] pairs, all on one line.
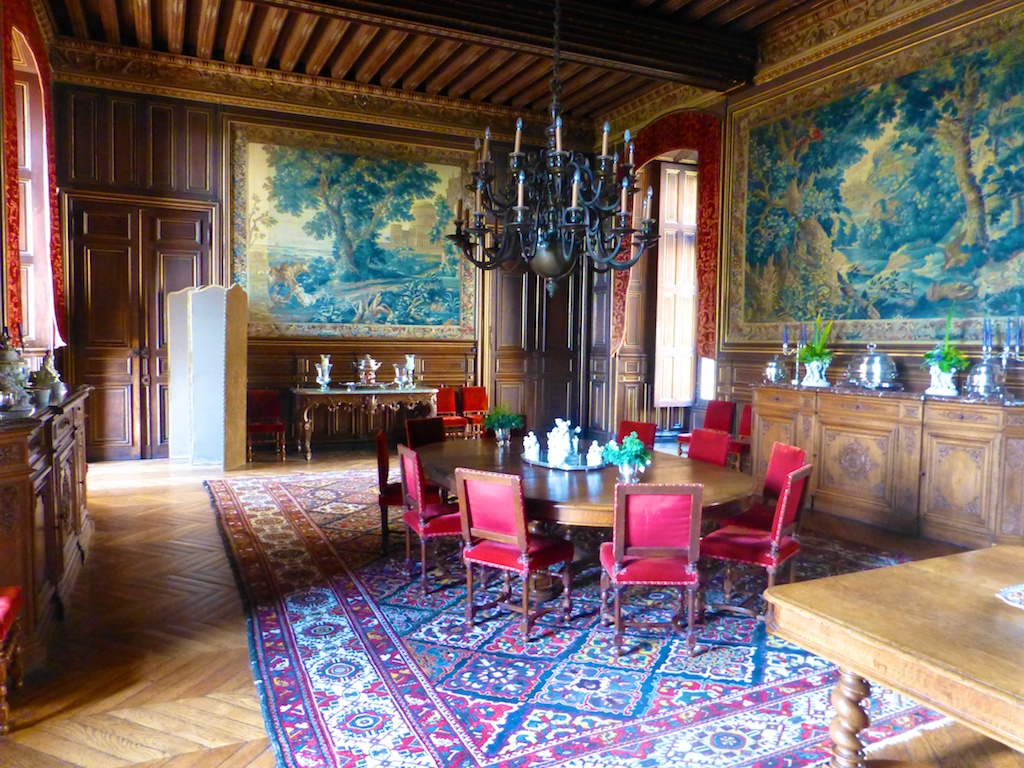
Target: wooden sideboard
{"points": [[44, 524], [942, 468]]}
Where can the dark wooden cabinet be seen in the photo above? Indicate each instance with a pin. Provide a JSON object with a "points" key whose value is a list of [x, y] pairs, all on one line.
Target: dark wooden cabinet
{"points": [[44, 523]]}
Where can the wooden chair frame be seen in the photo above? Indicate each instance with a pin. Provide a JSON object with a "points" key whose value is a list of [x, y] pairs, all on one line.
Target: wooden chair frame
{"points": [[389, 494], [472, 534], [414, 493], [621, 550]]}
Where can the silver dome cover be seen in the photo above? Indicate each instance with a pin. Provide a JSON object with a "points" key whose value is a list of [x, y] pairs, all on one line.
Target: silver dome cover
{"points": [[873, 370]]}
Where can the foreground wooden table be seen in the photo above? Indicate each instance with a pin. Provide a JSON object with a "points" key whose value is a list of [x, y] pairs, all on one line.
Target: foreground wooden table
{"points": [[582, 498], [933, 630]]}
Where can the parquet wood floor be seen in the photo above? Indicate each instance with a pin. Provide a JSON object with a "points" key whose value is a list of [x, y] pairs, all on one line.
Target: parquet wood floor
{"points": [[150, 667]]}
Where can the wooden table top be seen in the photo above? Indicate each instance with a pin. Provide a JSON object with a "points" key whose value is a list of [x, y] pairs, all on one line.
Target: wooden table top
{"points": [[933, 630], [582, 497]]}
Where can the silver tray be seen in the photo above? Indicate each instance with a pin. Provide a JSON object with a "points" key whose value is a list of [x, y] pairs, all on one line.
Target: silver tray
{"points": [[573, 463]]}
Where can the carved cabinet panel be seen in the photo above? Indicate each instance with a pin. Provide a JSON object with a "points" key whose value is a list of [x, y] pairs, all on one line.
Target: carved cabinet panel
{"points": [[961, 459], [867, 452], [780, 415]]}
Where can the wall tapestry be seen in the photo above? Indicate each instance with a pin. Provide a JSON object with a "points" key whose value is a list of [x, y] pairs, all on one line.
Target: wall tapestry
{"points": [[889, 205], [344, 237]]}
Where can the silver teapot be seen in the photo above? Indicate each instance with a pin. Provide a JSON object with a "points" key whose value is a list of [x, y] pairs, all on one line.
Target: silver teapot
{"points": [[775, 372], [367, 367]]}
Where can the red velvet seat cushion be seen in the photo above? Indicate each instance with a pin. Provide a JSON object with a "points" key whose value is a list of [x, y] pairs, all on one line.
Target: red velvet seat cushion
{"points": [[739, 445], [439, 520], [759, 515], [10, 605], [542, 553], [747, 545], [454, 421], [264, 427], [647, 570]]}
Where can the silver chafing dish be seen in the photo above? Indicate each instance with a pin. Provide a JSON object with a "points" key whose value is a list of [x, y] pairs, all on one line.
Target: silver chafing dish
{"points": [[986, 381], [873, 370]]}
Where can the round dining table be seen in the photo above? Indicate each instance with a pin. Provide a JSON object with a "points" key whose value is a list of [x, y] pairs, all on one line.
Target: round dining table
{"points": [[582, 497]]}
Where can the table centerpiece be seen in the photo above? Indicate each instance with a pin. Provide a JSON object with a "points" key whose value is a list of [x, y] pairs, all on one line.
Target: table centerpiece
{"points": [[631, 457]]}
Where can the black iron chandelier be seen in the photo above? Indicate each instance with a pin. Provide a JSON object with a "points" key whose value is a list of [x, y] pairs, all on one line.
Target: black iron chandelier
{"points": [[554, 207]]}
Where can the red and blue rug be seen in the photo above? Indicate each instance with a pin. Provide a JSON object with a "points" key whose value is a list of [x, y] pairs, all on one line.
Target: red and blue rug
{"points": [[356, 667]]}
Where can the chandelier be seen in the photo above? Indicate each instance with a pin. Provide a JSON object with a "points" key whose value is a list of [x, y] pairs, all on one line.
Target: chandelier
{"points": [[554, 207]]}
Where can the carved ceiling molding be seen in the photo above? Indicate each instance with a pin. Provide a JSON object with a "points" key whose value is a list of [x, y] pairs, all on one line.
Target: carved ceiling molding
{"points": [[836, 26], [171, 75], [659, 102], [43, 18]]}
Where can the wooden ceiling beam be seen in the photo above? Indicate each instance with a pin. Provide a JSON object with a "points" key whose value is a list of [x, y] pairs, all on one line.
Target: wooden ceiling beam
{"points": [[454, 67], [241, 14], [410, 52], [329, 37], [143, 23], [175, 15], [500, 77], [488, 63], [594, 36], [207, 35], [111, 26], [76, 13], [437, 55], [377, 55], [538, 90], [357, 37], [267, 32], [297, 40]]}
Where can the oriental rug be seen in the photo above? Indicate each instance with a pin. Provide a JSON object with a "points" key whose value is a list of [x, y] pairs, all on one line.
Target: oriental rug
{"points": [[357, 667]]}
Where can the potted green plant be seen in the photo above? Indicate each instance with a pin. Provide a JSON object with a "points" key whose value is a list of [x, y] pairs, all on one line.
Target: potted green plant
{"points": [[500, 419], [943, 361], [631, 456], [816, 355]]}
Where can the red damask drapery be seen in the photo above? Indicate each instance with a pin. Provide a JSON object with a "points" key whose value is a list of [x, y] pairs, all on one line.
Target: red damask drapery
{"points": [[700, 131], [19, 14]]}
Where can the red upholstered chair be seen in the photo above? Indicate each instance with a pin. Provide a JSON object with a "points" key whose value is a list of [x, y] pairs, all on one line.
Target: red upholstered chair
{"points": [[739, 446], [655, 543], [10, 648], [474, 408], [263, 420], [495, 535], [390, 493], [424, 431], [783, 460], [718, 416], [645, 430], [454, 425], [425, 514], [709, 445], [768, 549]]}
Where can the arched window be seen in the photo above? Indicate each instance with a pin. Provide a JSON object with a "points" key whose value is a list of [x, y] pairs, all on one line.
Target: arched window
{"points": [[38, 330]]}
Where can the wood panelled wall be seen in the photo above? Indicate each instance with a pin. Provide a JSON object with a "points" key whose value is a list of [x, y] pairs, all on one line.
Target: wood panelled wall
{"points": [[144, 153]]}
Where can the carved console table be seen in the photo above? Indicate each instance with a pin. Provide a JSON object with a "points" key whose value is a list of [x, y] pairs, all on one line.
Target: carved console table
{"points": [[943, 468], [370, 400]]}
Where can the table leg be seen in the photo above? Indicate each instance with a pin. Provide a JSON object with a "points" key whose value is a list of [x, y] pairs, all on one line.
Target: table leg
{"points": [[850, 719], [307, 433]]}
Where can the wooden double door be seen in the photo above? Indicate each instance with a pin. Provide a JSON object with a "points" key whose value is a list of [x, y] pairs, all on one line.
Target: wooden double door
{"points": [[126, 258]]}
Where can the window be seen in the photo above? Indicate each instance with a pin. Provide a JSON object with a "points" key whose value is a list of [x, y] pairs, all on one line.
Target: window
{"points": [[675, 367]]}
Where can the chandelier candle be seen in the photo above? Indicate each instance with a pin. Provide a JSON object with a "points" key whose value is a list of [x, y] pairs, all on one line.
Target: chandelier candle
{"points": [[555, 207]]}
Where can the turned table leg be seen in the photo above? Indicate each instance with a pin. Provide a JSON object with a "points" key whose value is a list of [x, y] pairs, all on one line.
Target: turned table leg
{"points": [[850, 719], [307, 432]]}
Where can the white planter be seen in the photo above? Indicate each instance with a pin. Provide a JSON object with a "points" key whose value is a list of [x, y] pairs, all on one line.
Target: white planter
{"points": [[815, 375], [943, 383]]}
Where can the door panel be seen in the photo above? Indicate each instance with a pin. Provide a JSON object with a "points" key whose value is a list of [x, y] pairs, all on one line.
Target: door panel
{"points": [[106, 326], [177, 249]]}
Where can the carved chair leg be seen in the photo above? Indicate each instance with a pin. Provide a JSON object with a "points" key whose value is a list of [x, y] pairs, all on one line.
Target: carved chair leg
{"points": [[423, 564], [792, 569], [605, 582], [566, 593], [469, 595], [620, 625], [527, 619], [15, 672], [248, 448], [691, 619], [408, 551]]}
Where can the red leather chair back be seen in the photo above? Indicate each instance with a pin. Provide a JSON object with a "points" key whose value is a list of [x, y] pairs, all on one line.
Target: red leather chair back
{"points": [[709, 445], [413, 484], [262, 406], [746, 419], [645, 430], [492, 507], [424, 431], [782, 460], [446, 401], [474, 400], [655, 520], [719, 415], [791, 502]]}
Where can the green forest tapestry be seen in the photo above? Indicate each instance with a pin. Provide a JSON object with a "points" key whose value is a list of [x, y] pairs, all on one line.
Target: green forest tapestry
{"points": [[891, 204], [343, 238]]}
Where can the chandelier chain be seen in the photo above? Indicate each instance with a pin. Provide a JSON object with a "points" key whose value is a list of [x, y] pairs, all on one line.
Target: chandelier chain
{"points": [[556, 59]]}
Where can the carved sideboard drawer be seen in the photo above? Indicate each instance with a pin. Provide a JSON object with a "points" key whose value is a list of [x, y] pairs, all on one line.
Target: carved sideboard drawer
{"points": [[965, 415], [867, 407]]}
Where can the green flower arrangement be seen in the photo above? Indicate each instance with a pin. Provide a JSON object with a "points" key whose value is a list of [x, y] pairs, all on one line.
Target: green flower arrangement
{"points": [[945, 354], [816, 349], [631, 451], [500, 417]]}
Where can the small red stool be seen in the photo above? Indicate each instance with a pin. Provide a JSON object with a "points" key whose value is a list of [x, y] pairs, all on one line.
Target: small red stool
{"points": [[10, 647]]}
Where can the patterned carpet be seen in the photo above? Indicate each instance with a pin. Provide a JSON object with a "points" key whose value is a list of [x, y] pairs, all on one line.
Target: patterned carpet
{"points": [[357, 668]]}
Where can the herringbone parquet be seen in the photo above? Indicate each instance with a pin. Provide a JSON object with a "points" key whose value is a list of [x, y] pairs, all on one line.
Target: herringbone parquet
{"points": [[150, 667]]}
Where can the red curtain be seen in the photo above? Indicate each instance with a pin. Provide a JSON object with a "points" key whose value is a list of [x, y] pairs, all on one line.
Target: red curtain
{"points": [[700, 131], [19, 14]]}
